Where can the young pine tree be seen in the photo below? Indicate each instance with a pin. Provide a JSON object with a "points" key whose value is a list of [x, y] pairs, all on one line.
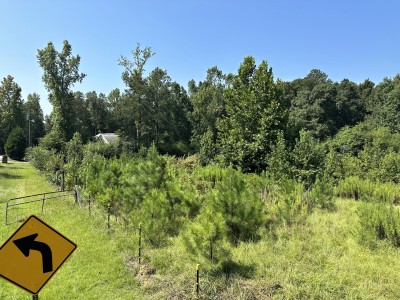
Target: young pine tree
{"points": [[240, 206], [206, 239]]}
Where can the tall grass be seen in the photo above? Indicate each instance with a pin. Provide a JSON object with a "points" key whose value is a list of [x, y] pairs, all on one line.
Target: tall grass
{"points": [[368, 190], [379, 222], [320, 259]]}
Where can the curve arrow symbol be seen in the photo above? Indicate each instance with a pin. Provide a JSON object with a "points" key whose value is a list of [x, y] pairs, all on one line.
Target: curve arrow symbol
{"points": [[28, 243]]}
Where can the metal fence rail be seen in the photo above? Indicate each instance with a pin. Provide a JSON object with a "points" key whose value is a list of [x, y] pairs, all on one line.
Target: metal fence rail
{"points": [[14, 203]]}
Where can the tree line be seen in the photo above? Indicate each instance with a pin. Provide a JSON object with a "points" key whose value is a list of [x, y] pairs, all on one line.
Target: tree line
{"points": [[267, 151], [248, 119]]}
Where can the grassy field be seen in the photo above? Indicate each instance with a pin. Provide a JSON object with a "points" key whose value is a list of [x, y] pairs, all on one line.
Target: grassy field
{"points": [[321, 259]]}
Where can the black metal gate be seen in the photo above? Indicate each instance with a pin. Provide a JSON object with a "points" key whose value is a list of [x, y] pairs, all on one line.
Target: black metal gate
{"points": [[13, 205]]}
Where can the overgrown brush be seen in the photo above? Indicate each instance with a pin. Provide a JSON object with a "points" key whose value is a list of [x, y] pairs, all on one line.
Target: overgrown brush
{"points": [[211, 208], [287, 204], [364, 189], [321, 193], [49, 162], [379, 221]]}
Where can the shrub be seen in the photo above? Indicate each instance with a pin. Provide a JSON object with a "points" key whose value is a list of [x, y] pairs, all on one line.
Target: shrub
{"points": [[355, 188], [102, 149], [53, 167], [74, 151], [16, 144], [279, 165], [47, 161], [54, 140], [287, 204], [308, 159], [39, 157], [351, 166], [390, 167], [369, 153], [322, 193]]}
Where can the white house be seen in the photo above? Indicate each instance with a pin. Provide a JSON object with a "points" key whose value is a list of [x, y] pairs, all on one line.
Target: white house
{"points": [[108, 138]]}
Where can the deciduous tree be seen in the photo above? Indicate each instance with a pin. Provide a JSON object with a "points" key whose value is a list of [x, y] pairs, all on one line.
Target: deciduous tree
{"points": [[135, 108], [153, 109], [351, 108], [208, 107], [11, 108], [315, 111], [386, 104], [60, 73], [254, 114]]}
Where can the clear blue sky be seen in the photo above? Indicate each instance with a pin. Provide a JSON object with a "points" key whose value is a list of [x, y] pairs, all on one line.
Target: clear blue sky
{"points": [[344, 38]]}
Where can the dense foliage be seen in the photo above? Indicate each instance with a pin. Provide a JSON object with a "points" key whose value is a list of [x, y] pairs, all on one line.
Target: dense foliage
{"points": [[235, 119], [263, 153], [11, 109], [211, 209], [16, 143], [60, 73]]}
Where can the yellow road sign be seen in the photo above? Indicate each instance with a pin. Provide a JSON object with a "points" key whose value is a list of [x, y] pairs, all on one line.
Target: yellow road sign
{"points": [[31, 256]]}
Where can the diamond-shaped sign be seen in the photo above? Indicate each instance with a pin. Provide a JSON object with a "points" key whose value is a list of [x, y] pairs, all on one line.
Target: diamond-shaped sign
{"points": [[31, 256]]}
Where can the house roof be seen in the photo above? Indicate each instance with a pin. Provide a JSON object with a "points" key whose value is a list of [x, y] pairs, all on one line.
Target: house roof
{"points": [[108, 138]]}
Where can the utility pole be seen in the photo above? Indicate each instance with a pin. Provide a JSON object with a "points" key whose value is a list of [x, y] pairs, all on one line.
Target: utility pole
{"points": [[29, 118], [29, 122]]}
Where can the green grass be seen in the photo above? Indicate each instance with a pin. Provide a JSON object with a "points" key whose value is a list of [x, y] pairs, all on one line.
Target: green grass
{"points": [[18, 179], [323, 260], [96, 270], [320, 259]]}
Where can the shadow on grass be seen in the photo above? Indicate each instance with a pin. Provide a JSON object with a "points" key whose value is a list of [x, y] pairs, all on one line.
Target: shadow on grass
{"points": [[233, 268], [14, 166], [9, 176]]}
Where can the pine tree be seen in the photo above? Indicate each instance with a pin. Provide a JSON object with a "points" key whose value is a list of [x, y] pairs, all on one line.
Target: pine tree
{"points": [[240, 206], [206, 238], [154, 215]]}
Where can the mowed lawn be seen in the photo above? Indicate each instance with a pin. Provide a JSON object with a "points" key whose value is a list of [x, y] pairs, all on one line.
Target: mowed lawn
{"points": [[19, 179]]}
